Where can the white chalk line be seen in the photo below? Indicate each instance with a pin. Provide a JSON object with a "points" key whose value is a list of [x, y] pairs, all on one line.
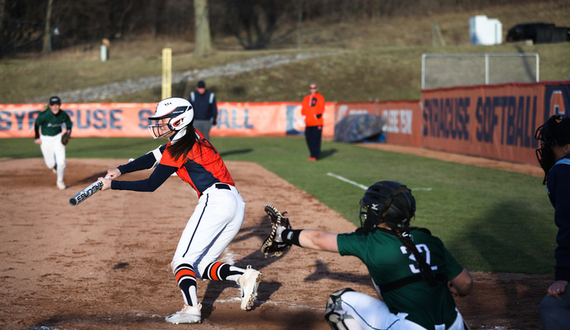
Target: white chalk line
{"points": [[363, 186], [347, 180]]}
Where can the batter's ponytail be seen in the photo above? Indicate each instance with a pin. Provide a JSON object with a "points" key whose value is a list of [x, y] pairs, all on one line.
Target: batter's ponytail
{"points": [[183, 145]]}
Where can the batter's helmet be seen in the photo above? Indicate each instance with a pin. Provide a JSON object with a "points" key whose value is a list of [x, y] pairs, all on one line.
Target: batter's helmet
{"points": [[179, 111], [555, 132], [387, 201]]}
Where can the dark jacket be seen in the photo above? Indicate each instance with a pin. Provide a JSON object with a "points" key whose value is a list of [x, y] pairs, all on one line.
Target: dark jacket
{"points": [[205, 106], [558, 187]]}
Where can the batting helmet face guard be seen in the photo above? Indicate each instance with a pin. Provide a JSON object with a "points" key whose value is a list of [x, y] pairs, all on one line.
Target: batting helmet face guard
{"points": [[179, 113], [555, 132], [389, 202]]}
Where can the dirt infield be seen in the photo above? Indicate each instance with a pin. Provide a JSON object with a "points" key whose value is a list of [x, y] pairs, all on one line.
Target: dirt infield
{"points": [[104, 263]]}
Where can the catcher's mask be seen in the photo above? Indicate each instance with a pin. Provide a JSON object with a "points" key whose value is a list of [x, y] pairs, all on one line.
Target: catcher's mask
{"points": [[555, 132], [179, 111], [387, 201]]}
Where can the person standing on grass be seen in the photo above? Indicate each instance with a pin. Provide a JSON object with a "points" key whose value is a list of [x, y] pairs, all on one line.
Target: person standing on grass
{"points": [[48, 131], [205, 109], [554, 158], [313, 108]]}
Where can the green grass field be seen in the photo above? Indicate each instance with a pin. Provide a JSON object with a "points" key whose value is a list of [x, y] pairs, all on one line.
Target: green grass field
{"points": [[491, 220]]}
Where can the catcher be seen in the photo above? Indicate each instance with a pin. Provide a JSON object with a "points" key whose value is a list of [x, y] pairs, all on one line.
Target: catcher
{"points": [[414, 274]]}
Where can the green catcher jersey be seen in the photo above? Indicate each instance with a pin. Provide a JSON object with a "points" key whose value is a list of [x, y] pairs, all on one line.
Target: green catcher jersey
{"points": [[388, 260]]}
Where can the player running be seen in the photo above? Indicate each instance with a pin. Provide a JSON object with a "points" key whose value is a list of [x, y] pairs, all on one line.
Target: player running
{"points": [[412, 271], [48, 132], [216, 219]]}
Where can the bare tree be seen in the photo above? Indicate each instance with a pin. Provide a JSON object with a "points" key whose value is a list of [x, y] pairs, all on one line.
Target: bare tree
{"points": [[257, 18], [299, 5], [47, 30], [2, 6], [203, 41]]}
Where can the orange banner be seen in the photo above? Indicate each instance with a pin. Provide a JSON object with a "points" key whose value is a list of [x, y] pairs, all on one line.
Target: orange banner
{"points": [[402, 118], [130, 119], [274, 118], [492, 121]]}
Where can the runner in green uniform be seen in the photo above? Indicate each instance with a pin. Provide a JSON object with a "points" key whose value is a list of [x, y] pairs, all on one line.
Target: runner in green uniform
{"points": [[414, 274], [48, 132]]}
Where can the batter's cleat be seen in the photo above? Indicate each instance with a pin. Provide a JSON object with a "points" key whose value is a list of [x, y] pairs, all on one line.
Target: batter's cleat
{"points": [[61, 185], [248, 284], [188, 314]]}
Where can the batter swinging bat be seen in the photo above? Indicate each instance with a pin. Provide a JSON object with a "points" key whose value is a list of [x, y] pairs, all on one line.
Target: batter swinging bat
{"points": [[87, 192]]}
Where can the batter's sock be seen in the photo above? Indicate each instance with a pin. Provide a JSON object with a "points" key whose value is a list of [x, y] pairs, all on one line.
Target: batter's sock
{"points": [[219, 271], [186, 279]]}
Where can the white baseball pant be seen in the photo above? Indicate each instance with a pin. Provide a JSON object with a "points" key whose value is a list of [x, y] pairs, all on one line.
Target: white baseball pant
{"points": [[359, 311], [215, 222], [54, 153]]}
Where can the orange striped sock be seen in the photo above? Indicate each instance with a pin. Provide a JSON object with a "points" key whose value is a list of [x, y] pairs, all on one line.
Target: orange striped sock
{"points": [[219, 271], [186, 279]]}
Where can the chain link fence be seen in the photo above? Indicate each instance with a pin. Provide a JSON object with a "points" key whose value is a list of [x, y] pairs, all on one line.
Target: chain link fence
{"points": [[448, 70]]}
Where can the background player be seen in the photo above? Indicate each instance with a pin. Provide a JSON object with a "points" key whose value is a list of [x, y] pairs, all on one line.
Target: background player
{"points": [[554, 158], [216, 219], [312, 109], [410, 268], [48, 132]]}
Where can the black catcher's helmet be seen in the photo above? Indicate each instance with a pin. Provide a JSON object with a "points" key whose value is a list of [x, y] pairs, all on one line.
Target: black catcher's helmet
{"points": [[555, 132], [387, 201]]}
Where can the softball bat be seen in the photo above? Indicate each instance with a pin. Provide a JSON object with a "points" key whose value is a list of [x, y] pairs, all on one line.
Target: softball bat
{"points": [[87, 192]]}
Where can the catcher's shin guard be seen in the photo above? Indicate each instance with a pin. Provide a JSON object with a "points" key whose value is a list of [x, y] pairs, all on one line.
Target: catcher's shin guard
{"points": [[333, 311]]}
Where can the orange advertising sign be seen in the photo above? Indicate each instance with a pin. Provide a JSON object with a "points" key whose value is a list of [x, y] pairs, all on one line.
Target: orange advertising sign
{"points": [[496, 121], [130, 119], [257, 119]]}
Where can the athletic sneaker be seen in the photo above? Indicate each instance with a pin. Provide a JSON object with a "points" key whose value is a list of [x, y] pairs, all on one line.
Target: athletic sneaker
{"points": [[188, 314], [61, 185], [248, 284]]}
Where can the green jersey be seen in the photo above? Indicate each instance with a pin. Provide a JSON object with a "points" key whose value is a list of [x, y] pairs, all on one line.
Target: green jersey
{"points": [[388, 260], [50, 124]]}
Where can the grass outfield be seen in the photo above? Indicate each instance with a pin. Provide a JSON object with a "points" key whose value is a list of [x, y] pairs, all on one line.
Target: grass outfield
{"points": [[491, 220]]}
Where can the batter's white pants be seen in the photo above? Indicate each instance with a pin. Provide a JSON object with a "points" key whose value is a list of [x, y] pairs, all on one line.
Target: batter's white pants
{"points": [[54, 153], [215, 222], [360, 311]]}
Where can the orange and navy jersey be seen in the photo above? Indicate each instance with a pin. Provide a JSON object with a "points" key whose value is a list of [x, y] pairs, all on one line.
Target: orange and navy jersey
{"points": [[313, 105], [201, 168]]}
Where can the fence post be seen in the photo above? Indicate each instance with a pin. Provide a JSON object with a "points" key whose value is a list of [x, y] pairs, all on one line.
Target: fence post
{"points": [[166, 73]]}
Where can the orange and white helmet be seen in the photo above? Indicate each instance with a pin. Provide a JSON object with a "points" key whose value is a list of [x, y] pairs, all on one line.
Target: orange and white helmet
{"points": [[179, 111]]}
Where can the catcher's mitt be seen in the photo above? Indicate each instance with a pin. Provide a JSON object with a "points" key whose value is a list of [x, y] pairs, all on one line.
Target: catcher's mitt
{"points": [[278, 223], [65, 138]]}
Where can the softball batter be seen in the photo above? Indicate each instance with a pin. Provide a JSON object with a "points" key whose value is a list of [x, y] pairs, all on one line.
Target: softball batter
{"points": [[216, 219], [48, 132]]}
